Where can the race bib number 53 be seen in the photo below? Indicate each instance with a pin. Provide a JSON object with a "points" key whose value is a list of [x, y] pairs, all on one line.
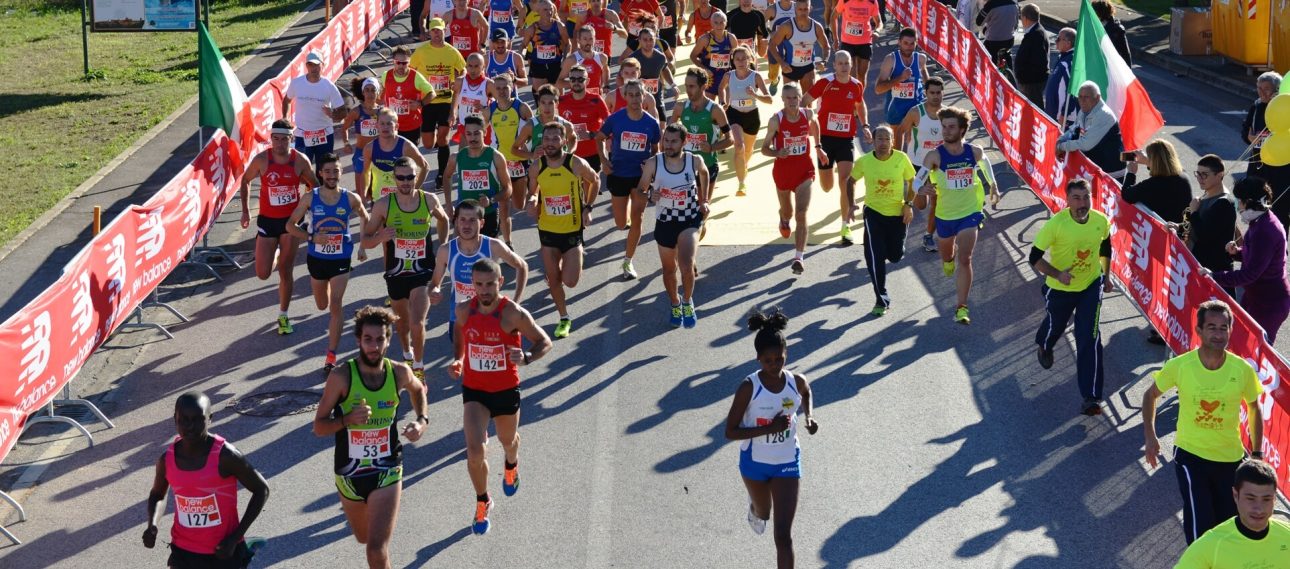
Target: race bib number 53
{"points": [[368, 444]]}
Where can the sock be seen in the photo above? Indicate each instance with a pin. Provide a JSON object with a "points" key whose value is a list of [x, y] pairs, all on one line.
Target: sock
{"points": [[407, 356], [283, 314], [797, 256], [511, 465], [627, 259], [774, 73], [482, 497]]}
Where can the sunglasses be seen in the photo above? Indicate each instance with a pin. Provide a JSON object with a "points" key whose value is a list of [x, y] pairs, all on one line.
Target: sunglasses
{"points": [[407, 178], [578, 79], [397, 62]]}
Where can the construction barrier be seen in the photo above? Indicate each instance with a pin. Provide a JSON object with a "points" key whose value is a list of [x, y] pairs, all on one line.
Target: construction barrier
{"points": [[1281, 35], [1241, 29]]}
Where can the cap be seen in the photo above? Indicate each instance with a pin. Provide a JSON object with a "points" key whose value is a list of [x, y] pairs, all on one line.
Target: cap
{"points": [[500, 34], [436, 24], [313, 57], [372, 82]]}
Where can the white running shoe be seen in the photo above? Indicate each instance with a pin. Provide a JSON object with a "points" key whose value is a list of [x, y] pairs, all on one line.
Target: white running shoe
{"points": [[757, 524]]}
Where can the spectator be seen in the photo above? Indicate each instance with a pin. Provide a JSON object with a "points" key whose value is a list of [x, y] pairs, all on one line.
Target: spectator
{"points": [[1105, 11], [1057, 100], [1262, 275], [967, 11], [1166, 192], [1000, 20], [1213, 218], [1095, 132], [1032, 57], [1254, 132]]}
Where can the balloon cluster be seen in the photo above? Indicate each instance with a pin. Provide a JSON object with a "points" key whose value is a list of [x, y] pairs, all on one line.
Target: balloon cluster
{"points": [[1276, 149]]}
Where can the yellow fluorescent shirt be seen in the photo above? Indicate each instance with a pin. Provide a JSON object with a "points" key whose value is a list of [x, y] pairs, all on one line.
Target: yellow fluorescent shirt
{"points": [[1225, 547], [884, 181], [1075, 247], [441, 67], [1209, 403]]}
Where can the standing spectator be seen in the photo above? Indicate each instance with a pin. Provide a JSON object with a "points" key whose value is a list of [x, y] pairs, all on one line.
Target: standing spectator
{"points": [[1057, 100], [1000, 20], [1105, 11], [317, 105], [1166, 192], [1095, 132], [1213, 218], [1253, 132], [1032, 57], [1212, 385], [1263, 259], [967, 11]]}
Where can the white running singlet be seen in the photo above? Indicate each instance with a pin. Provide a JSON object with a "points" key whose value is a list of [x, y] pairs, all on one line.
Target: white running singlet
{"points": [[775, 448]]}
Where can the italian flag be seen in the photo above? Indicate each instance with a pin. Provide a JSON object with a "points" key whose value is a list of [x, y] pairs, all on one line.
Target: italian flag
{"points": [[1096, 60], [221, 99]]}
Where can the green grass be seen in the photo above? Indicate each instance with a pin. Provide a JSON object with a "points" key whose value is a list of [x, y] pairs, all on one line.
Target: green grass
{"points": [[57, 128]]}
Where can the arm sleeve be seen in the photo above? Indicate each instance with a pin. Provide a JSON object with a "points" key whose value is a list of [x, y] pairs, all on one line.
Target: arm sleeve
{"points": [[1044, 239], [1134, 192], [908, 172], [1105, 251], [1035, 255], [1198, 555], [337, 100], [987, 170]]}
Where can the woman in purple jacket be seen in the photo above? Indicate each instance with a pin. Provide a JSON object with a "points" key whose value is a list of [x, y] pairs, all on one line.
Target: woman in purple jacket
{"points": [[1262, 276]]}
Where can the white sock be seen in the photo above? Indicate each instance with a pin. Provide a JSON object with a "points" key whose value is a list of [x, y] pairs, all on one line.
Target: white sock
{"points": [[407, 356]]}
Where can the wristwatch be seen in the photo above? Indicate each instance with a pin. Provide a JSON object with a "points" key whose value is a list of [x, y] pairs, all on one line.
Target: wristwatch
{"points": [[424, 420]]}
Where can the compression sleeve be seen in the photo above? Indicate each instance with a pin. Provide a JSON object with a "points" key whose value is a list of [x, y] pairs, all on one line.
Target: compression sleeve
{"points": [[1106, 248], [987, 169], [1036, 254]]}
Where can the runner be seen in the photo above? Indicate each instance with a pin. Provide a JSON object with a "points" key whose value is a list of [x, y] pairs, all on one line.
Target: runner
{"points": [[1253, 538], [683, 187], [468, 246], [842, 107], [547, 42], [594, 63], [562, 189], [741, 89], [922, 134], [528, 144], [702, 119], [632, 137], [587, 112], [511, 63], [502, 15], [505, 116], [606, 23], [330, 208], [369, 457], [788, 136], [490, 330], [467, 28], [669, 23], [701, 20], [282, 169], [629, 69], [204, 471], [441, 65], [793, 44], [888, 176], [958, 173], [763, 416], [1213, 384], [776, 14], [636, 13], [318, 105], [473, 96], [406, 91], [655, 73], [401, 223], [572, 12], [478, 172], [712, 52], [439, 9], [362, 119], [901, 77], [855, 22], [381, 154], [749, 26]]}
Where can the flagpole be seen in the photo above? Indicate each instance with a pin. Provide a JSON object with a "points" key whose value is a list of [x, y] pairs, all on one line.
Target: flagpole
{"points": [[199, 77]]}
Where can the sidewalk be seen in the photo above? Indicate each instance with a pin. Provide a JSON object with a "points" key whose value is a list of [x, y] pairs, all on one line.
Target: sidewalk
{"points": [[1149, 41]]}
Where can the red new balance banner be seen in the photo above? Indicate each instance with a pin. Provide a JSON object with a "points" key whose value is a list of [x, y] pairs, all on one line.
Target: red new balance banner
{"points": [[1158, 271]]}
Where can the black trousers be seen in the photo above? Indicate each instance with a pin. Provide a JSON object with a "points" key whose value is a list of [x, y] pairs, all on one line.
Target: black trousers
{"points": [[993, 47], [1086, 306], [415, 12], [1206, 488], [884, 242]]}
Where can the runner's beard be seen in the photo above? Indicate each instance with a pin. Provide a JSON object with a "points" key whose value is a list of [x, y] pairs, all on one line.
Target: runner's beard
{"points": [[671, 154], [372, 359], [552, 151], [330, 183]]}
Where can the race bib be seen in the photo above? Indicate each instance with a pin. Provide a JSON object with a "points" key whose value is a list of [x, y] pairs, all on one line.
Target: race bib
{"points": [[579, 9], [547, 52], [332, 244], [673, 198], [558, 205], [651, 86], [439, 82], [719, 60], [931, 144], [474, 180], [959, 178], [409, 249], [802, 55], [903, 91], [197, 513], [368, 127], [633, 28], [594, 91], [854, 29], [462, 43], [400, 107], [283, 195], [600, 46], [315, 137], [501, 17], [369, 444], [749, 43], [486, 358], [745, 104], [797, 145], [778, 438], [463, 291], [580, 130], [515, 169], [838, 122], [474, 107], [633, 141], [694, 142], [667, 21]]}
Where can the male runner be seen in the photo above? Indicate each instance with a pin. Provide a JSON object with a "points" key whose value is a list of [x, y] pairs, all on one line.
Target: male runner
{"points": [[901, 77], [792, 44], [467, 246], [606, 24], [919, 134], [547, 42], [748, 25], [888, 176], [586, 111], [478, 172], [502, 15], [488, 352], [1252, 538], [282, 170], [655, 67], [842, 107], [473, 95], [629, 69], [633, 136], [380, 155], [318, 104], [467, 28], [956, 174], [441, 65], [683, 188], [330, 208], [707, 131], [510, 63], [528, 144], [406, 91], [777, 13], [204, 471], [505, 117], [562, 189], [1213, 384], [401, 223], [360, 409], [789, 134], [855, 22], [701, 20], [594, 64]]}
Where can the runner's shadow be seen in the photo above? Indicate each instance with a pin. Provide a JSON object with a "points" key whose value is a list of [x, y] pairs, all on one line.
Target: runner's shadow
{"points": [[425, 554]]}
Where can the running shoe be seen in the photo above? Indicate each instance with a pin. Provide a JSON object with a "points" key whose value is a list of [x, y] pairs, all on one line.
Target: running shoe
{"points": [[629, 272], [757, 524], [419, 373], [846, 235], [688, 317], [784, 230], [961, 315], [675, 320], [879, 310], [284, 325], [774, 87], [948, 268], [742, 191], [481, 523], [254, 544], [798, 267], [563, 328], [1045, 358], [1091, 407], [929, 243], [510, 480]]}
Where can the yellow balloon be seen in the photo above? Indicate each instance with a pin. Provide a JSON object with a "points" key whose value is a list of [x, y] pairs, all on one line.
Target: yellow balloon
{"points": [[1278, 114], [1276, 150]]}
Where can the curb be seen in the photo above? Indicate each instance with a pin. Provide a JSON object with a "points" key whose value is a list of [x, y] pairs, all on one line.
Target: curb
{"points": [[67, 201]]}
